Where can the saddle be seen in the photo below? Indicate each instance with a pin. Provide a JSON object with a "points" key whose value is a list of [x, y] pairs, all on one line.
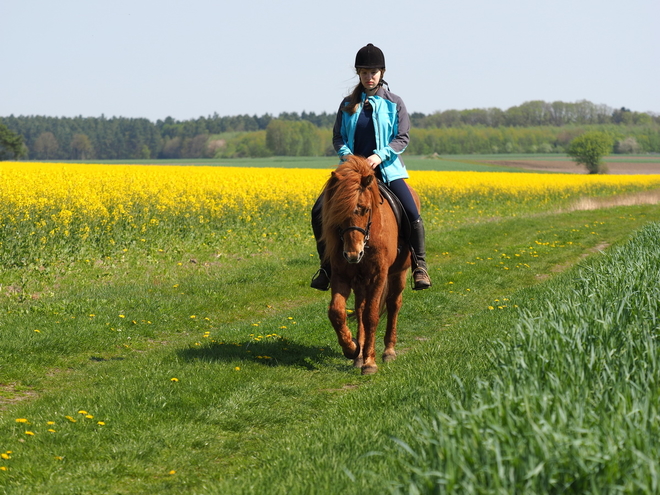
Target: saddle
{"points": [[399, 213]]}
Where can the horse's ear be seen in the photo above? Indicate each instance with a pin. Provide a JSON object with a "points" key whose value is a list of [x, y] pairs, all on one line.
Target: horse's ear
{"points": [[367, 180]]}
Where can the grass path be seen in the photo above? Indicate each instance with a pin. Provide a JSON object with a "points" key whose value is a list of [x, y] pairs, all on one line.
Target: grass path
{"points": [[223, 375]]}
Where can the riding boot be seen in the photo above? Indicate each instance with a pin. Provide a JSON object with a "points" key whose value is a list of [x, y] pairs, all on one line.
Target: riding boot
{"points": [[421, 279], [321, 279]]}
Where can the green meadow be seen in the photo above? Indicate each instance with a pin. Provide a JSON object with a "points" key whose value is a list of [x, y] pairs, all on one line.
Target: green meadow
{"points": [[530, 366]]}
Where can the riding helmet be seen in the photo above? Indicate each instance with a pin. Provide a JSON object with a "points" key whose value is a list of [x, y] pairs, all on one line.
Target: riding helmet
{"points": [[370, 57]]}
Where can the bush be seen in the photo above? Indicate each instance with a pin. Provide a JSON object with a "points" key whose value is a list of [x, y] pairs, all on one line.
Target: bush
{"points": [[589, 150]]}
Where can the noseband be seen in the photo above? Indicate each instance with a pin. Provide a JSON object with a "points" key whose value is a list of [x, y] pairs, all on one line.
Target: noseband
{"points": [[364, 232]]}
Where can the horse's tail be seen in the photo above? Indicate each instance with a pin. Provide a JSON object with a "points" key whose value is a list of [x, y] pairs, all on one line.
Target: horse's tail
{"points": [[383, 304], [383, 299]]}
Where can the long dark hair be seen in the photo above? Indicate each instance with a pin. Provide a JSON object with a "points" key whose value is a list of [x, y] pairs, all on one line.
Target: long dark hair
{"points": [[355, 97]]}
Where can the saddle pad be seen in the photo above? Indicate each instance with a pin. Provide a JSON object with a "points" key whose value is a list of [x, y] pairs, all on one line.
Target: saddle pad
{"points": [[401, 218]]}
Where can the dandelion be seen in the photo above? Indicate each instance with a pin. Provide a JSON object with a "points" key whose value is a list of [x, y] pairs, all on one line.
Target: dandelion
{"points": [[3, 468], [82, 412], [101, 423], [5, 456], [38, 331], [51, 430], [72, 420], [31, 433], [22, 420], [237, 368], [89, 416], [172, 472], [174, 379]]}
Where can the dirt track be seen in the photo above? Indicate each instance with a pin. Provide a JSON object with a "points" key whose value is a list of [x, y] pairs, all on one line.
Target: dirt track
{"points": [[615, 166]]}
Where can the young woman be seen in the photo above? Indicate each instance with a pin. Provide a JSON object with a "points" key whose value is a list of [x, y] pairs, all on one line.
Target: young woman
{"points": [[373, 123]]}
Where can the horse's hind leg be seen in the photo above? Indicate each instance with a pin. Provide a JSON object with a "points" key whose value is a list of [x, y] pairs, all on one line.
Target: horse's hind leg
{"points": [[394, 302]]}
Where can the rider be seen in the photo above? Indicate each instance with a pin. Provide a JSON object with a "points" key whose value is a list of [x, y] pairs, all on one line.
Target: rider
{"points": [[373, 123]]}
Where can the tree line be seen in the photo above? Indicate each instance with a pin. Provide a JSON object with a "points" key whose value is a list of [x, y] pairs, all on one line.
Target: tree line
{"points": [[534, 126]]}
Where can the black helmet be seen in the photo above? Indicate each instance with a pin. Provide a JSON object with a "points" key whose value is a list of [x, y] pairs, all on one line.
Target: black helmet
{"points": [[370, 57]]}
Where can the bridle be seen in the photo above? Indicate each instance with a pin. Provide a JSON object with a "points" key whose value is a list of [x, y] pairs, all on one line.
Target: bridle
{"points": [[364, 232]]}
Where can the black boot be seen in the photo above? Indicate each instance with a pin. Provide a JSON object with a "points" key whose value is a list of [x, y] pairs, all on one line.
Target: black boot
{"points": [[321, 279], [421, 279]]}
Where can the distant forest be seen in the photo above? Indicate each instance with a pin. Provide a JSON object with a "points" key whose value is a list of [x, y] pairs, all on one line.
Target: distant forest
{"points": [[533, 127]]}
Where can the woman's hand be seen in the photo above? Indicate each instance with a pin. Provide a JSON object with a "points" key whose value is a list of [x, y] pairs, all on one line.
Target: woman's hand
{"points": [[374, 160]]}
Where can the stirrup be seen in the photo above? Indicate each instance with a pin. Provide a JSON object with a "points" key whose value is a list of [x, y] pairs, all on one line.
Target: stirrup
{"points": [[424, 282], [321, 280]]}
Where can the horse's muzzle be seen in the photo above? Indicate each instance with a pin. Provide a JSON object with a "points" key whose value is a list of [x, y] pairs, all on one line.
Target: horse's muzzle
{"points": [[354, 257]]}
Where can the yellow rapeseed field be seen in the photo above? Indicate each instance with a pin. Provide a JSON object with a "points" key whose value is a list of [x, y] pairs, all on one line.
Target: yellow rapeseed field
{"points": [[46, 203]]}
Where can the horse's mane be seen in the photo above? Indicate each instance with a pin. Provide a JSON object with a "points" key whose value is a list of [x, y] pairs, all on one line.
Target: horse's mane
{"points": [[341, 194]]}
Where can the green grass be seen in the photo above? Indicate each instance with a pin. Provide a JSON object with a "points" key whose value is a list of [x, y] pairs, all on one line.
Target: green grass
{"points": [[446, 163], [263, 401], [461, 163]]}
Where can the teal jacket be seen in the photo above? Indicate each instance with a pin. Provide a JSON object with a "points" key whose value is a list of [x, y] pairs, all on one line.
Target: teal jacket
{"points": [[392, 126]]}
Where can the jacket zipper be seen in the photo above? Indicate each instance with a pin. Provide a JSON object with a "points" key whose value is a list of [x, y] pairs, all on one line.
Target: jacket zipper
{"points": [[378, 143]]}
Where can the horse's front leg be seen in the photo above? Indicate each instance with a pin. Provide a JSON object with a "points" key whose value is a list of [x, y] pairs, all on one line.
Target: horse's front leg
{"points": [[394, 299], [370, 319], [360, 301], [337, 316]]}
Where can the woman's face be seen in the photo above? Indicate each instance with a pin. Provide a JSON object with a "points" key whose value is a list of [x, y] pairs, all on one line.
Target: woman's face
{"points": [[369, 78]]}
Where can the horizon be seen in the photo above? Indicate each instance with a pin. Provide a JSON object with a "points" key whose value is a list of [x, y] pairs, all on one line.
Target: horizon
{"points": [[299, 114]]}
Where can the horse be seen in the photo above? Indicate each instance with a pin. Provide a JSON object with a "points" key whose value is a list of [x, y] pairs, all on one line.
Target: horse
{"points": [[367, 256]]}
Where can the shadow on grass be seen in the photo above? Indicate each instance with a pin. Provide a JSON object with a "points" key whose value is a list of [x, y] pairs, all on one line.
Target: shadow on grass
{"points": [[269, 352]]}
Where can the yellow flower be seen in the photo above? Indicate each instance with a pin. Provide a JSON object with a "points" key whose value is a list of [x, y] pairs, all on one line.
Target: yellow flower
{"points": [[21, 420], [82, 412], [237, 368], [89, 416], [174, 379], [101, 423], [31, 433], [5, 456]]}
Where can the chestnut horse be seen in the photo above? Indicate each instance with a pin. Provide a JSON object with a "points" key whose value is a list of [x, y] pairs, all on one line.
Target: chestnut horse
{"points": [[366, 256]]}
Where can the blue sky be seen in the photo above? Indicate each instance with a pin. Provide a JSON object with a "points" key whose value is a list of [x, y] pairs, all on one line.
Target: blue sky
{"points": [[185, 59]]}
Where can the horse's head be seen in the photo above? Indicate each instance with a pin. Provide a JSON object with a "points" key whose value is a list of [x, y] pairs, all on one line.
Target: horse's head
{"points": [[349, 200]]}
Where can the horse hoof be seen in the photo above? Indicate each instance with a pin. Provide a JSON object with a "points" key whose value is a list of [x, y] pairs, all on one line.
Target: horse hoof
{"points": [[358, 362], [354, 354], [369, 370], [388, 358]]}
